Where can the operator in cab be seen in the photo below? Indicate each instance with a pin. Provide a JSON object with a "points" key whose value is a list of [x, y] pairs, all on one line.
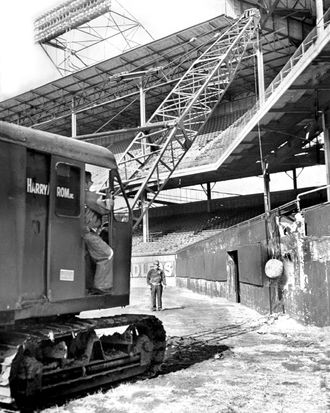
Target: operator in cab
{"points": [[101, 253]]}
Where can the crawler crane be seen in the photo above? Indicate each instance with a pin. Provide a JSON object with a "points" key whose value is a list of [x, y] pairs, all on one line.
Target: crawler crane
{"points": [[46, 349]]}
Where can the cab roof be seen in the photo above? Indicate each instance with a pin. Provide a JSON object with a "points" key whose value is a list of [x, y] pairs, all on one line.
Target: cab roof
{"points": [[57, 145]]}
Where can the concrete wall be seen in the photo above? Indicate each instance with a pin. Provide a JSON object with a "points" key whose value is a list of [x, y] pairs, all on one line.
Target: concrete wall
{"points": [[306, 257], [231, 264], [211, 288]]}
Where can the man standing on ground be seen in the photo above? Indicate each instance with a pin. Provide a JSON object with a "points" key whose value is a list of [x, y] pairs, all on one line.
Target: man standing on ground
{"points": [[156, 280]]}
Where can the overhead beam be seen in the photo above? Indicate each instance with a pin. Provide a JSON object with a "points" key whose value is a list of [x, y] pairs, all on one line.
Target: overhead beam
{"points": [[292, 109], [298, 13], [122, 131], [280, 132], [308, 87]]}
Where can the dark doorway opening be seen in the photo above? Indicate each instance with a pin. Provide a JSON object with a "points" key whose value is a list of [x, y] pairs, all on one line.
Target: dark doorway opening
{"points": [[233, 275]]}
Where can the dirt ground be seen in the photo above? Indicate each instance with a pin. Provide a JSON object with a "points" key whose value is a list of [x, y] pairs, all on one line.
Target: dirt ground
{"points": [[221, 357]]}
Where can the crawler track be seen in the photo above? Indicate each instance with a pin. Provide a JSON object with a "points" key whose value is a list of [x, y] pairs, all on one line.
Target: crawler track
{"points": [[42, 361]]}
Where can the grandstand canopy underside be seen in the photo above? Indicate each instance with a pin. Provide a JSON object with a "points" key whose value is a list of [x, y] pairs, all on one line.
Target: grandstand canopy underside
{"points": [[286, 132], [286, 127]]}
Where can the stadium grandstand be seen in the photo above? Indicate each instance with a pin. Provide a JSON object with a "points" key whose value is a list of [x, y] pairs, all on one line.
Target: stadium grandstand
{"points": [[236, 97]]}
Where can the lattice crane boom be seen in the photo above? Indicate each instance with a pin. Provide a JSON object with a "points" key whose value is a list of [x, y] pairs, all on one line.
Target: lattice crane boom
{"points": [[151, 158]]}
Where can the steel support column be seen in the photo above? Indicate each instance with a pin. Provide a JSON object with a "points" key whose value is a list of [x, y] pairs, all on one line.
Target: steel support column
{"points": [[73, 118], [266, 179], [294, 179], [142, 103], [319, 17], [145, 221], [209, 196], [261, 74], [326, 134]]}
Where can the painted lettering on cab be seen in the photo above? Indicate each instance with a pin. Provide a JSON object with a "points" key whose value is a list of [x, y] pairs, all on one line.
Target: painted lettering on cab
{"points": [[36, 187], [62, 192]]}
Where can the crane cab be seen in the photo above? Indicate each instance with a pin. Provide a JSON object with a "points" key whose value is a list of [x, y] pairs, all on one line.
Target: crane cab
{"points": [[44, 265]]}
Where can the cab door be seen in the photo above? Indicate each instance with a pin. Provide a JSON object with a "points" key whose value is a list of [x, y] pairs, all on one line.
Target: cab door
{"points": [[120, 237], [33, 284], [66, 279]]}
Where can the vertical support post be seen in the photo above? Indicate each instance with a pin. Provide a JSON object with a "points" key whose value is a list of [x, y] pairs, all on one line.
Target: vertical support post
{"points": [[268, 226], [319, 17], [265, 175], [73, 118], [261, 74], [294, 178], [145, 219], [326, 152], [142, 102], [209, 196], [266, 178]]}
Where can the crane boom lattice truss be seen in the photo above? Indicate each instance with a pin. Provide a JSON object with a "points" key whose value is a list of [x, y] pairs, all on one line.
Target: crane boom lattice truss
{"points": [[151, 158]]}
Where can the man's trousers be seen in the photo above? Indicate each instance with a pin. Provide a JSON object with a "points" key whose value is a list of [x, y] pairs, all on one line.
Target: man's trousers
{"points": [[156, 295]]}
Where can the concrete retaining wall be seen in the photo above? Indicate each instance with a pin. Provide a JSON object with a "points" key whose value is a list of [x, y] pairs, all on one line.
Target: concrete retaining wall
{"points": [[210, 288], [231, 264]]}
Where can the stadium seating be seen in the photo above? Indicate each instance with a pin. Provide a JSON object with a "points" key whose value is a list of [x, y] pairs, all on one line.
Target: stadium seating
{"points": [[190, 223], [168, 236], [207, 147]]}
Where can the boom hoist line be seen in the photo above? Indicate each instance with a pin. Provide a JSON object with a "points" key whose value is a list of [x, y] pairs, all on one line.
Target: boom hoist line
{"points": [[151, 158]]}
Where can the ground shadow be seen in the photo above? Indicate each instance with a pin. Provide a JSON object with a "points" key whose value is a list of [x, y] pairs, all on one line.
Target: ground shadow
{"points": [[183, 352]]}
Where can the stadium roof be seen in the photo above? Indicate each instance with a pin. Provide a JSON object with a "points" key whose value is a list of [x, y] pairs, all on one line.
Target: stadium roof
{"points": [[287, 123], [98, 98], [103, 103]]}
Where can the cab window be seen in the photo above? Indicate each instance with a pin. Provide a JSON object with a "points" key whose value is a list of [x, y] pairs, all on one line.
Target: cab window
{"points": [[67, 195]]}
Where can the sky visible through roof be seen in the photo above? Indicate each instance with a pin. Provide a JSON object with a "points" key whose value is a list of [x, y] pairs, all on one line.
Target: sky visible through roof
{"points": [[24, 65]]}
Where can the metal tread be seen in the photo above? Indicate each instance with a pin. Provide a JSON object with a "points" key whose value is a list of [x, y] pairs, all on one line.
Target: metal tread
{"points": [[33, 334]]}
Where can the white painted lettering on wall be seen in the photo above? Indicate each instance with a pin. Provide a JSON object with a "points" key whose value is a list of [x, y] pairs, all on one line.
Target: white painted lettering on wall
{"points": [[36, 187], [141, 265], [62, 192]]}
